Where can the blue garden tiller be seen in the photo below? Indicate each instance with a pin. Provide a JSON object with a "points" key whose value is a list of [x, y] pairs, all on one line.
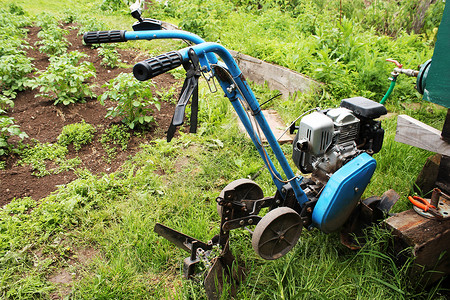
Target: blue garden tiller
{"points": [[333, 146]]}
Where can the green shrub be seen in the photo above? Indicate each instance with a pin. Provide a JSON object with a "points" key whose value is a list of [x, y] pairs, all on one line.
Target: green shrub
{"points": [[65, 79], [77, 134], [133, 98]]}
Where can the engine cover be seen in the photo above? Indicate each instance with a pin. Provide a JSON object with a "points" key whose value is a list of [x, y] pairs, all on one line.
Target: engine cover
{"points": [[329, 139], [342, 193]]}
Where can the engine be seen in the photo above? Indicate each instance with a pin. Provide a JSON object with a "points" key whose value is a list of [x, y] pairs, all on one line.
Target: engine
{"points": [[328, 139]]}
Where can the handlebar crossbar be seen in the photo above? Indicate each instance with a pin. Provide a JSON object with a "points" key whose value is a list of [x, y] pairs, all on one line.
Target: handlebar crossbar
{"points": [[114, 36]]}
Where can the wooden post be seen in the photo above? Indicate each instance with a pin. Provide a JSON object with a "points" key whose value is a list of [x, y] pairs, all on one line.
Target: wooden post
{"points": [[443, 178]]}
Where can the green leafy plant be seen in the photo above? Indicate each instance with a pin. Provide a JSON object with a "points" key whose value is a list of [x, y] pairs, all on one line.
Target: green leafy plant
{"points": [[110, 57], [78, 134], [113, 5], [13, 71], [46, 20], [70, 16], [134, 100], [90, 24], [65, 79], [52, 40], [7, 130], [114, 137], [46, 159], [16, 9], [6, 100]]}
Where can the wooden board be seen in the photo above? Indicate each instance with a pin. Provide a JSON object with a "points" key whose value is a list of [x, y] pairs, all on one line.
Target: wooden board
{"points": [[415, 133], [429, 241]]}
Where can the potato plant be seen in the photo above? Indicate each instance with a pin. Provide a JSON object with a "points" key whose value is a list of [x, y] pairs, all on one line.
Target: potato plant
{"points": [[65, 79], [110, 57], [7, 130], [134, 100], [52, 41], [13, 71]]}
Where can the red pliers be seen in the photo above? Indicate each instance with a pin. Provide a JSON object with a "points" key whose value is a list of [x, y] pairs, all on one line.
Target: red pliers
{"points": [[425, 205]]}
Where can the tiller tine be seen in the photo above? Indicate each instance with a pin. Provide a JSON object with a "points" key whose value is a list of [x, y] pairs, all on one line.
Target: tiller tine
{"points": [[223, 271], [370, 211], [223, 268]]}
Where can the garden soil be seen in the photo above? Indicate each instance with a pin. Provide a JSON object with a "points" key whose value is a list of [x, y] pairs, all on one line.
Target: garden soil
{"points": [[43, 121]]}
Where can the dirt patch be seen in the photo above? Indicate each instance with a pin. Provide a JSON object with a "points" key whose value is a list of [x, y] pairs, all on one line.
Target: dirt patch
{"points": [[43, 121]]}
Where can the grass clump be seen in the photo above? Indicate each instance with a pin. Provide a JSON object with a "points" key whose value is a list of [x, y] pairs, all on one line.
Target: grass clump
{"points": [[46, 159], [115, 138], [78, 134]]}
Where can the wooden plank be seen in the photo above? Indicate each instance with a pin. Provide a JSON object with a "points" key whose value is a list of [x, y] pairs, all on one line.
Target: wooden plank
{"points": [[275, 124], [415, 133], [429, 241], [277, 77]]}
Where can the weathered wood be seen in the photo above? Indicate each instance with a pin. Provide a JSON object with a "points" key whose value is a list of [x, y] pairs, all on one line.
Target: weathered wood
{"points": [[446, 129], [415, 133], [443, 178], [429, 240], [278, 78], [275, 124], [426, 181]]}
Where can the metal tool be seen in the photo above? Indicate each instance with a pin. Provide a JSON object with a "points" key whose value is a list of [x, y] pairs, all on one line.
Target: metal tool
{"points": [[425, 207]]}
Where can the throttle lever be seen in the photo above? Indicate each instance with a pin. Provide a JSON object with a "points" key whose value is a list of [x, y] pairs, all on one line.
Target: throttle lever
{"points": [[190, 89], [190, 84]]}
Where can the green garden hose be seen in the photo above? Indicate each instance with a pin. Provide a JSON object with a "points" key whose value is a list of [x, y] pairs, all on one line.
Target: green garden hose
{"points": [[389, 91]]}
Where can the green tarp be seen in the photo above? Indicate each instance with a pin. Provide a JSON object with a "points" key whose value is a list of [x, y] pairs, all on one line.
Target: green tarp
{"points": [[437, 89]]}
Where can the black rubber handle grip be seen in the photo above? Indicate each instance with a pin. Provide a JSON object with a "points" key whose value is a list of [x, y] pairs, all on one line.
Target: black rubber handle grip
{"points": [[152, 67], [99, 37]]}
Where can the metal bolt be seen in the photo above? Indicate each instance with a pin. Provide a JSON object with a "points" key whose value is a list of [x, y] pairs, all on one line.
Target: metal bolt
{"points": [[309, 210], [231, 88], [278, 202], [241, 222], [250, 221], [356, 189]]}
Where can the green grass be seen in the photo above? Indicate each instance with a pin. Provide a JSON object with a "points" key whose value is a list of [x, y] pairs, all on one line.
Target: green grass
{"points": [[112, 216]]}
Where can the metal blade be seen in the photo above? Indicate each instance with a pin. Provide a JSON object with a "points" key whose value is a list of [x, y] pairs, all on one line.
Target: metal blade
{"points": [[181, 240]]}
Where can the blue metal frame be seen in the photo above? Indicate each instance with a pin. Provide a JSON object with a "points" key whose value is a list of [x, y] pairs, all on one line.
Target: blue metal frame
{"points": [[205, 51]]}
